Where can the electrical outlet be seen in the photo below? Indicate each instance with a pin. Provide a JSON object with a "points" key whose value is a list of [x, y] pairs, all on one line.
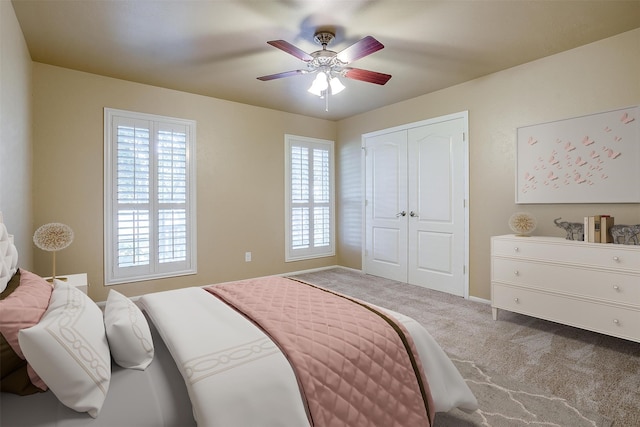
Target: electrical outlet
{"points": [[247, 257]]}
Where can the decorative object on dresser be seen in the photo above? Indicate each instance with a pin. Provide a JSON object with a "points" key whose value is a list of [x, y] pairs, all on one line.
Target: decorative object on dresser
{"points": [[626, 234], [575, 230], [53, 237], [597, 228], [606, 222], [522, 223], [586, 285]]}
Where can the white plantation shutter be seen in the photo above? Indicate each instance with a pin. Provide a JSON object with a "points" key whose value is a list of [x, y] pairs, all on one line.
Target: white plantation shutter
{"points": [[309, 199], [172, 192], [150, 213]]}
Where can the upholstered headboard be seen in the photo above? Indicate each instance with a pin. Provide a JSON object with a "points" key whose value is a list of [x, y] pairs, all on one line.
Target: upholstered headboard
{"points": [[8, 256]]}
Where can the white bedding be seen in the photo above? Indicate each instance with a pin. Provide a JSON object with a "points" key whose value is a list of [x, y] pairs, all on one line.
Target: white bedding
{"points": [[156, 397], [236, 376], [234, 373]]}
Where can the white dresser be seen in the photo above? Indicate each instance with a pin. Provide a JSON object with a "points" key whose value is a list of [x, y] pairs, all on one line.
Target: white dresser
{"points": [[594, 286]]}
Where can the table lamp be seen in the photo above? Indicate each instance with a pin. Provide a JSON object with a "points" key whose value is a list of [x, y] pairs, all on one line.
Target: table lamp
{"points": [[53, 237]]}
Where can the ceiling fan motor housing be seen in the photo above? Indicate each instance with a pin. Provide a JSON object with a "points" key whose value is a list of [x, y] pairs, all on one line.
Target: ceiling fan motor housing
{"points": [[323, 38], [324, 59]]}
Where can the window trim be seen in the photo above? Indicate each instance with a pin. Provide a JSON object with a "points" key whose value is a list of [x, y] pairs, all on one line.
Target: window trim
{"points": [[308, 253], [158, 270]]}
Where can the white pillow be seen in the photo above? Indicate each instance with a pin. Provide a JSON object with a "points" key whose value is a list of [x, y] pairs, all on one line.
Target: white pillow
{"points": [[128, 332], [68, 349], [8, 257]]}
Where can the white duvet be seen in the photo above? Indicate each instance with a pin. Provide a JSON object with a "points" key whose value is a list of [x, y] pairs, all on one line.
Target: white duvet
{"points": [[236, 376]]}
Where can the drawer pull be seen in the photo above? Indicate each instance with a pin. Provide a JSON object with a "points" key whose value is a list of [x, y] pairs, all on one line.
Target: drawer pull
{"points": [[516, 273], [616, 321], [616, 259], [516, 249], [516, 300], [616, 288]]}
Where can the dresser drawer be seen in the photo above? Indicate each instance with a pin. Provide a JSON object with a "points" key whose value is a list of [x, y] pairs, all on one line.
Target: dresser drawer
{"points": [[600, 284], [568, 251], [603, 318]]}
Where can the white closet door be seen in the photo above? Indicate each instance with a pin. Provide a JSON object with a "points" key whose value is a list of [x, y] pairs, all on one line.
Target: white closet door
{"points": [[386, 206], [416, 218], [436, 181]]}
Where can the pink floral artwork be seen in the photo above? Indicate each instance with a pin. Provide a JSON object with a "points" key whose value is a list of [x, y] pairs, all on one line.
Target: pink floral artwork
{"points": [[593, 158]]}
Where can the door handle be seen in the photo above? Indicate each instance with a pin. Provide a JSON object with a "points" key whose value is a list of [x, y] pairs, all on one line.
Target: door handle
{"points": [[403, 213], [413, 214]]}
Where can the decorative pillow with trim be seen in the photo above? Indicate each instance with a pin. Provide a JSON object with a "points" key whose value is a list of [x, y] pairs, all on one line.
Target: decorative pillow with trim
{"points": [[22, 305], [128, 332], [68, 348]]}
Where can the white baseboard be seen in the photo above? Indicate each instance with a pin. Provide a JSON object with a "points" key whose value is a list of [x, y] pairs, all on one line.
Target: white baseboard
{"points": [[312, 270], [482, 300]]}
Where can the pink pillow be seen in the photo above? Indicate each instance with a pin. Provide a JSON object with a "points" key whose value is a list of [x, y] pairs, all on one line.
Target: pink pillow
{"points": [[23, 309]]}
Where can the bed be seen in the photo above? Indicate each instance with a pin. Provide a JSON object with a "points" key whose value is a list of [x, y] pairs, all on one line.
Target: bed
{"points": [[261, 352]]}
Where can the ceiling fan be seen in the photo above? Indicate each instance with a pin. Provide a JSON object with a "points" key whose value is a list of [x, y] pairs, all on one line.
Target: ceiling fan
{"points": [[329, 64]]}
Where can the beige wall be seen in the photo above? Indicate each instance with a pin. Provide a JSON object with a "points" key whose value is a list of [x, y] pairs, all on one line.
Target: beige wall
{"points": [[240, 176], [240, 157], [597, 77], [15, 134]]}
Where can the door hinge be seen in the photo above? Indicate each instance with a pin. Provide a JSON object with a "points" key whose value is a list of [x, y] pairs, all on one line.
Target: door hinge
{"points": [[464, 136]]}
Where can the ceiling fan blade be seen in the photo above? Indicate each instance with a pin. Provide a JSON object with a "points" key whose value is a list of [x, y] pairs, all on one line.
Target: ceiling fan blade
{"points": [[359, 49], [291, 49], [367, 76], [281, 75]]}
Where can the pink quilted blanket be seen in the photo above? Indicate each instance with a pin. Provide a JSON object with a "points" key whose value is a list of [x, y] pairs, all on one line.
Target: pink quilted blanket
{"points": [[356, 366]]}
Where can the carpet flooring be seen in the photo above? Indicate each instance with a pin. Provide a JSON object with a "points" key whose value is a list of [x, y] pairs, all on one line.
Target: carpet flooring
{"points": [[524, 371]]}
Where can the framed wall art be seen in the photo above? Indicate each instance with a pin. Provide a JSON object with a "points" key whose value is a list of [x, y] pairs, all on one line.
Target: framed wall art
{"points": [[588, 159]]}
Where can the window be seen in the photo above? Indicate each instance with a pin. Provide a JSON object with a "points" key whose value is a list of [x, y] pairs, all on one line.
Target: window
{"points": [[150, 229], [309, 198]]}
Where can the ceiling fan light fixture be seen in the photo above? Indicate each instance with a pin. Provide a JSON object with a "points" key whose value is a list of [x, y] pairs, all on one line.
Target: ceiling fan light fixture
{"points": [[315, 91], [319, 85], [336, 86]]}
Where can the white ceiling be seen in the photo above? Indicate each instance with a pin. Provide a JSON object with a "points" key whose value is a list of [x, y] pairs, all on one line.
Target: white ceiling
{"points": [[218, 48]]}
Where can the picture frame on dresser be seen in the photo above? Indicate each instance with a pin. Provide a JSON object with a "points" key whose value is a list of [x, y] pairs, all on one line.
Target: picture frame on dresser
{"points": [[586, 285], [587, 159]]}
